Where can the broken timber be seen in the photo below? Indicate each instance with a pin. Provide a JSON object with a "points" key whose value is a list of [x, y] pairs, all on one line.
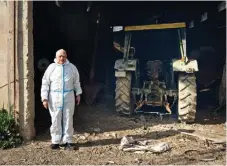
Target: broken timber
{"points": [[215, 137]]}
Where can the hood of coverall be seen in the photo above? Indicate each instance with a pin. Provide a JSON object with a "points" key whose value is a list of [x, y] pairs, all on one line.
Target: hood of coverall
{"points": [[66, 62]]}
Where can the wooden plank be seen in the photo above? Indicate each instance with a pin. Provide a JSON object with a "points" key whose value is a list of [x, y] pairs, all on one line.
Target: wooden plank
{"points": [[155, 26], [204, 135]]}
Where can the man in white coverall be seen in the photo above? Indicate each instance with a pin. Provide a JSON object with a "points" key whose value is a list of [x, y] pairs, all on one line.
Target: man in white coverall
{"points": [[59, 82]]}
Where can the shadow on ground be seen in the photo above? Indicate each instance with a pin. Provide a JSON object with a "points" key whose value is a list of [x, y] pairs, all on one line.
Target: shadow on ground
{"points": [[103, 117]]}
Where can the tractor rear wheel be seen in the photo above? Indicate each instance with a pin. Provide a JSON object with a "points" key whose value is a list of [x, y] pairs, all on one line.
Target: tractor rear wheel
{"points": [[123, 95], [187, 97]]}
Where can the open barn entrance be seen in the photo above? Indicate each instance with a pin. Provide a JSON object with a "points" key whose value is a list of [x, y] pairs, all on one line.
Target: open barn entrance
{"points": [[73, 27]]}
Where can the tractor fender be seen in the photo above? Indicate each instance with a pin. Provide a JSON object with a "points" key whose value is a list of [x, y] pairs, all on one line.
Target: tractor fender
{"points": [[128, 65], [122, 67], [190, 67]]}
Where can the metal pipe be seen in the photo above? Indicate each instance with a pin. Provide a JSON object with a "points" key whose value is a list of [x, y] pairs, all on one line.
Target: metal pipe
{"points": [[8, 69], [15, 74]]}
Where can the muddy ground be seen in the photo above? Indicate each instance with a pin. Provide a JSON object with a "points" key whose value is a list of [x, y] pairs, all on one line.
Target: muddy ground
{"points": [[98, 132]]}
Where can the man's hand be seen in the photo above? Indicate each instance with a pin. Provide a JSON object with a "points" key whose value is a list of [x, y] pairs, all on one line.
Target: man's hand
{"points": [[78, 100], [45, 104]]}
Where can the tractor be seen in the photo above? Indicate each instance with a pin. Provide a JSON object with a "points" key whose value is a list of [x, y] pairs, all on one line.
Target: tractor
{"points": [[166, 84]]}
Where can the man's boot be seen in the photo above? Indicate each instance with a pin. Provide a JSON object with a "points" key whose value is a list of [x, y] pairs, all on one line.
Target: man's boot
{"points": [[70, 146], [54, 146]]}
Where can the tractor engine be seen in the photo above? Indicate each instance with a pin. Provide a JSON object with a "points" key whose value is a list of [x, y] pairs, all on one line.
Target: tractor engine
{"points": [[154, 88]]}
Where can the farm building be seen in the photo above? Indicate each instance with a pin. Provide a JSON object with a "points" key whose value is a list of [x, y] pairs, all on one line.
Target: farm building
{"points": [[31, 33]]}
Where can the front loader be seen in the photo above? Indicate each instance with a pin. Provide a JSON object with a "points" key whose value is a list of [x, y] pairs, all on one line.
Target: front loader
{"points": [[167, 83]]}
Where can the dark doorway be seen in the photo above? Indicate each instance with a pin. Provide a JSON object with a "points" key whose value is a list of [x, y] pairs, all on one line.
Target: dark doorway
{"points": [[55, 28]]}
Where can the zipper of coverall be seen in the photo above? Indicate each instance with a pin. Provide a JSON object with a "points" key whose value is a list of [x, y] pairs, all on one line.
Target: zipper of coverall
{"points": [[63, 86]]}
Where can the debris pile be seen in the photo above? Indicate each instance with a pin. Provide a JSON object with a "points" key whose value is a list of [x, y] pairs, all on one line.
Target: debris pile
{"points": [[128, 144]]}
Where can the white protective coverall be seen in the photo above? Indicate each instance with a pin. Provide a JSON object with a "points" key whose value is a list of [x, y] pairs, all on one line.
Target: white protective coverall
{"points": [[58, 85]]}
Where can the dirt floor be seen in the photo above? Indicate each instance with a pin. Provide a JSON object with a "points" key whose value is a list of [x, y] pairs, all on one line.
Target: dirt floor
{"points": [[98, 132]]}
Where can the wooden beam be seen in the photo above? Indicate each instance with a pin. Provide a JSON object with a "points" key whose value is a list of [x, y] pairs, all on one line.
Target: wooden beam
{"points": [[155, 26], [221, 6]]}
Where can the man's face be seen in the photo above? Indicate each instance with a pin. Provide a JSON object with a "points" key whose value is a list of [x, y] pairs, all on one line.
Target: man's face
{"points": [[61, 57]]}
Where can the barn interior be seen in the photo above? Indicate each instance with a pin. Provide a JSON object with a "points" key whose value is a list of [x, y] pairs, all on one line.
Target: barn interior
{"points": [[85, 31]]}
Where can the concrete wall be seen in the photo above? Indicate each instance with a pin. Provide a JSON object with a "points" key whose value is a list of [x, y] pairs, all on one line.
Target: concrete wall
{"points": [[25, 68], [3, 54], [16, 63]]}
